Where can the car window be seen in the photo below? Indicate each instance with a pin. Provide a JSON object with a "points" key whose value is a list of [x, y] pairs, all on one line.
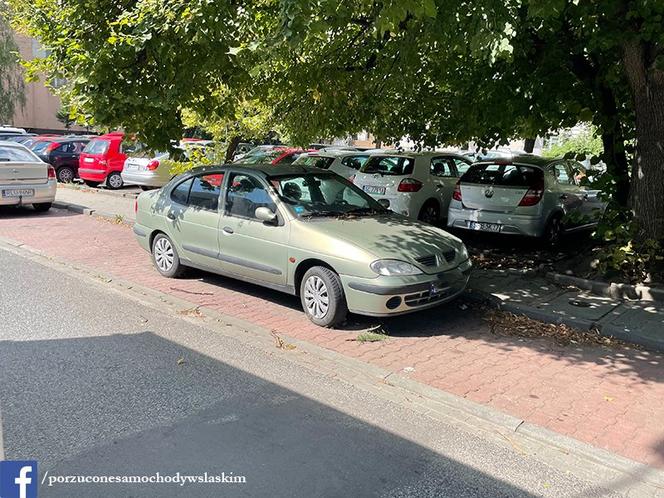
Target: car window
{"points": [[508, 175], [41, 146], [442, 167], [390, 165], [204, 192], [561, 174], [66, 147], [15, 154], [180, 193], [461, 165], [96, 147], [315, 161], [245, 194], [354, 162]]}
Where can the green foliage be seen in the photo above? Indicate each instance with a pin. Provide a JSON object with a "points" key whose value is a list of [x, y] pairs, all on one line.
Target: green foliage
{"points": [[195, 157], [11, 81], [580, 147]]}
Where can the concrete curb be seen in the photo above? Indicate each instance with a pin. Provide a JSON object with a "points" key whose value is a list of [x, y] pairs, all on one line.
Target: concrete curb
{"points": [[76, 208], [561, 452], [609, 289], [112, 193]]}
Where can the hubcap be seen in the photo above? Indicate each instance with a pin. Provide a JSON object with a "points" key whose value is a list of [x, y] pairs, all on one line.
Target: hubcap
{"points": [[115, 181], [66, 175], [316, 298], [163, 254]]}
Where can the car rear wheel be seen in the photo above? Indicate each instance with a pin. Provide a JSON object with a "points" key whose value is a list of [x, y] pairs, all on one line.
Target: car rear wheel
{"points": [[165, 257], [322, 297], [42, 207], [90, 183], [114, 181], [65, 174], [430, 213], [145, 188], [553, 231]]}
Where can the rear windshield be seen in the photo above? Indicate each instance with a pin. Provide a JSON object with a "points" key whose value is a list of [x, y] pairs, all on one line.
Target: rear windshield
{"points": [[315, 161], [389, 165], [17, 154], [509, 175], [96, 147], [263, 156]]}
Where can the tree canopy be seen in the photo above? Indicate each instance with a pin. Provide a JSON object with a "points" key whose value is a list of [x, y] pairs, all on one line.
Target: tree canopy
{"points": [[11, 80]]}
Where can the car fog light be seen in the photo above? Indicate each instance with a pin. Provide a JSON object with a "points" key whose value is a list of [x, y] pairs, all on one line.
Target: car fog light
{"points": [[393, 303]]}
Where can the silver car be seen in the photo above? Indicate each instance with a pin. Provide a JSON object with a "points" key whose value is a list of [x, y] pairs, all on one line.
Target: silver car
{"points": [[24, 178], [343, 162], [416, 185], [525, 195]]}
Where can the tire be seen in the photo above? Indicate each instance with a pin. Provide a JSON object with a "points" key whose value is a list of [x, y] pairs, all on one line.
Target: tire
{"points": [[90, 183], [65, 174], [320, 283], [114, 181], [42, 207], [553, 231], [167, 266], [430, 213]]}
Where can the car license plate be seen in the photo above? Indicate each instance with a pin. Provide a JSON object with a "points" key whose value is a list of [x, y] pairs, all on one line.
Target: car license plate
{"points": [[373, 189], [18, 192], [484, 227], [88, 160]]}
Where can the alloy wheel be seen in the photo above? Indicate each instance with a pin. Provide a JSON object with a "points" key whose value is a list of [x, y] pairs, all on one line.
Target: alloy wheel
{"points": [[115, 181], [316, 297], [65, 175], [163, 254]]}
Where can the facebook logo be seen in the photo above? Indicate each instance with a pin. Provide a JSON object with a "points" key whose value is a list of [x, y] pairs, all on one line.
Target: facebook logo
{"points": [[18, 479]]}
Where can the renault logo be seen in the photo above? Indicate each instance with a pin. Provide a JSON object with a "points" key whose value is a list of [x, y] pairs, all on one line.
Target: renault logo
{"points": [[488, 193]]}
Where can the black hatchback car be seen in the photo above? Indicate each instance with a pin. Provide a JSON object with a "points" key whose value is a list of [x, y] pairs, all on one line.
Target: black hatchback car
{"points": [[62, 154]]}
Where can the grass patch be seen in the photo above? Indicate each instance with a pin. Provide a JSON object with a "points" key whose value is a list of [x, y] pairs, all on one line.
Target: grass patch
{"points": [[371, 336]]}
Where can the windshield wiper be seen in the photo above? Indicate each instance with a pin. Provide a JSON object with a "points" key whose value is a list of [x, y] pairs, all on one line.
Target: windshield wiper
{"points": [[366, 210]]}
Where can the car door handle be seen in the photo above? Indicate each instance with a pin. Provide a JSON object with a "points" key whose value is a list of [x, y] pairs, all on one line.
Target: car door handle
{"points": [[228, 230], [171, 216]]}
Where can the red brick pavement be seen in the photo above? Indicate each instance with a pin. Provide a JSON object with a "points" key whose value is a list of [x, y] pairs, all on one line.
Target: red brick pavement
{"points": [[613, 399]]}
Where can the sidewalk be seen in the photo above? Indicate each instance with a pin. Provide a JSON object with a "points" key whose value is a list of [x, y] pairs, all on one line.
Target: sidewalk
{"points": [[94, 201]]}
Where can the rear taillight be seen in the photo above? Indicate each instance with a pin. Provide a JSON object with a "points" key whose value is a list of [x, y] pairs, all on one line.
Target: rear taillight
{"points": [[456, 195], [153, 165], [533, 195], [51, 172], [409, 185]]}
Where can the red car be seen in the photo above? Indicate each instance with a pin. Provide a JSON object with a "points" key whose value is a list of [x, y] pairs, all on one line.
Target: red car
{"points": [[102, 160], [278, 155]]}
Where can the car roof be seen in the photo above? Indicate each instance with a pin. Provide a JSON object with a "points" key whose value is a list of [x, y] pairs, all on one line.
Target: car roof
{"points": [[266, 170], [413, 154], [527, 159]]}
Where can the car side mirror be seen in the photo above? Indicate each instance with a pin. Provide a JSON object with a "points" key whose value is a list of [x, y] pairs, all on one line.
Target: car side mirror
{"points": [[266, 215]]}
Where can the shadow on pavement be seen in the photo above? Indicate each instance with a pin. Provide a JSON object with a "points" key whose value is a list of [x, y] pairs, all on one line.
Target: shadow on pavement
{"points": [[133, 410]]}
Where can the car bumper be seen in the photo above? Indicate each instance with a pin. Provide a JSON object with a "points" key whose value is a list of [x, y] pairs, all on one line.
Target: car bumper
{"points": [[511, 224], [142, 234], [44, 192], [387, 296], [144, 178], [94, 175]]}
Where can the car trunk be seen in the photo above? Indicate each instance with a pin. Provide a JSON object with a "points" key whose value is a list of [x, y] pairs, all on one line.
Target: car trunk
{"points": [[381, 176], [501, 187], [23, 173]]}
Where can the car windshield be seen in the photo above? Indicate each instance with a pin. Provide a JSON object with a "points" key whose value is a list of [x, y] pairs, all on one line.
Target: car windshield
{"points": [[321, 194], [314, 161], [96, 147], [389, 165]]}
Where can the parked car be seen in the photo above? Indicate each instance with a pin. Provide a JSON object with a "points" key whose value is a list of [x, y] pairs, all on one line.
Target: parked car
{"points": [[102, 160], [24, 139], [303, 231], [525, 195], [345, 163], [277, 155], [417, 185], [24, 178], [258, 150], [63, 154]]}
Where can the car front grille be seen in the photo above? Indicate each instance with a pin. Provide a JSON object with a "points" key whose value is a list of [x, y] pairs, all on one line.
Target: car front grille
{"points": [[425, 297], [428, 260], [449, 255]]}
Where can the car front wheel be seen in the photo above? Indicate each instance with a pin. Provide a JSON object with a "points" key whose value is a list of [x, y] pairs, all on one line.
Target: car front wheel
{"points": [[322, 297], [165, 257]]}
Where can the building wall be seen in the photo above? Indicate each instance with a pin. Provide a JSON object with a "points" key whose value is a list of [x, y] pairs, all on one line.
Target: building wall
{"points": [[41, 106]]}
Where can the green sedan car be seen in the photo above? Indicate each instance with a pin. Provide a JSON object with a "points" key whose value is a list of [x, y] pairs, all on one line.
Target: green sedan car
{"points": [[304, 231]]}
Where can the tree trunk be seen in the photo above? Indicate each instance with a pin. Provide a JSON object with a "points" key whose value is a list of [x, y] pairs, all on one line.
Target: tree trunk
{"points": [[529, 145], [616, 162], [647, 193], [232, 145]]}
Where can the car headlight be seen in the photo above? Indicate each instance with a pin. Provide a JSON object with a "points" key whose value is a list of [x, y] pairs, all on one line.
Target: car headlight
{"points": [[390, 267], [463, 253]]}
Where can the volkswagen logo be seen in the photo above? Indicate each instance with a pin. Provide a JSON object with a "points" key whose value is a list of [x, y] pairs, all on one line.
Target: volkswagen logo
{"points": [[488, 193]]}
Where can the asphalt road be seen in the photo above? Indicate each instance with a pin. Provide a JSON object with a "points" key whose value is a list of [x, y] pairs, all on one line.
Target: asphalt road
{"points": [[93, 383]]}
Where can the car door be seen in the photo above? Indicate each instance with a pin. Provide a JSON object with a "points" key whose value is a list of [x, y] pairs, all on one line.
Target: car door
{"points": [[65, 155], [444, 175], [568, 194], [248, 247], [193, 218], [593, 206]]}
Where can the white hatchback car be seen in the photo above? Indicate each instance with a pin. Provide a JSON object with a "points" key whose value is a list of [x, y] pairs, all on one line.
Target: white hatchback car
{"points": [[343, 162], [24, 178], [417, 185]]}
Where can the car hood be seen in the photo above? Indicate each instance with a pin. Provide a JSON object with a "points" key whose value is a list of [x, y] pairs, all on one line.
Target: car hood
{"points": [[393, 237]]}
